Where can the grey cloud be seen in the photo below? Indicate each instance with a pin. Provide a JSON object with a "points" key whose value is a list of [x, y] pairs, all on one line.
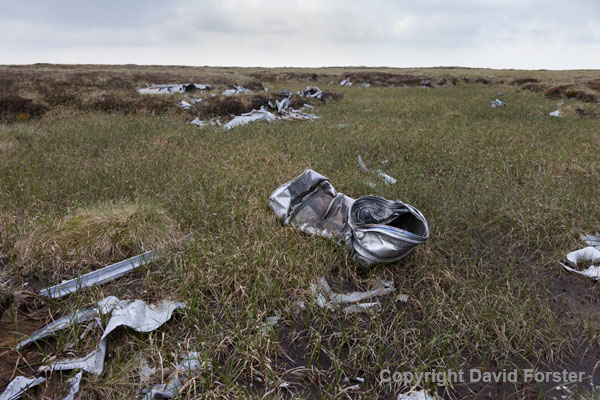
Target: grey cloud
{"points": [[381, 31]]}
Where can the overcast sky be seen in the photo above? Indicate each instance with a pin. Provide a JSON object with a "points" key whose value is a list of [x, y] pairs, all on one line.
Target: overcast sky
{"points": [[534, 34]]}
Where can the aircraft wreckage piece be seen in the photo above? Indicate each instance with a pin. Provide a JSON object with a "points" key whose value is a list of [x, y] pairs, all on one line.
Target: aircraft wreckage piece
{"points": [[587, 254], [173, 88], [375, 230], [99, 276], [592, 240], [186, 370], [132, 314], [388, 179], [497, 103], [236, 89], [104, 306], [18, 386], [252, 116], [327, 298]]}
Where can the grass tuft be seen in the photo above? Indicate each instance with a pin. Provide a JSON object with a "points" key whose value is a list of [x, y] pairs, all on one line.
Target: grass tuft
{"points": [[96, 236]]}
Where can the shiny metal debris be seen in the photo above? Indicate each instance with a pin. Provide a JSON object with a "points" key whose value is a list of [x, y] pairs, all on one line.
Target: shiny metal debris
{"points": [[366, 85], [346, 82], [18, 386], [100, 276], [497, 103], [556, 113], [186, 370], [184, 105], [104, 306], [388, 179], [236, 90], [311, 91], [588, 254], [253, 116], [327, 298], [132, 314], [416, 395], [283, 105], [375, 230], [592, 240], [173, 88], [73, 386], [198, 122]]}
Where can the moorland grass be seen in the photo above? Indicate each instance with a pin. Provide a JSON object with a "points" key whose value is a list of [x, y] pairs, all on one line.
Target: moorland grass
{"points": [[506, 192]]}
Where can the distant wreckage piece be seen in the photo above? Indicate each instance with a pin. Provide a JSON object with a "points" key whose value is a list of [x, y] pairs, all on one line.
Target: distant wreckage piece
{"points": [[173, 88], [498, 103]]}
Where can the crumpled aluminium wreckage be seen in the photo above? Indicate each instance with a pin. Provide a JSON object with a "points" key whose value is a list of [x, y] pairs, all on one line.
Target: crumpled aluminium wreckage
{"points": [[375, 230]]}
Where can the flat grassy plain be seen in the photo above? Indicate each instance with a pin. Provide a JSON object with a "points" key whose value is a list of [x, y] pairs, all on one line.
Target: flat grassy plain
{"points": [[506, 191]]}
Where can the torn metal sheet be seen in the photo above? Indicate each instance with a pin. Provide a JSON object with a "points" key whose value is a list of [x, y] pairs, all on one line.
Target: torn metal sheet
{"points": [[382, 288], [186, 370], [346, 82], [296, 115], [590, 272], [136, 315], [252, 116], [172, 88], [194, 100], [236, 89], [592, 240], [100, 276], [198, 122], [73, 386], [556, 113], [184, 105], [311, 91], [366, 85], [363, 307], [402, 297], [270, 322], [283, 105], [285, 93], [497, 103], [327, 298], [20, 385], [375, 230], [416, 395], [388, 179], [307, 106], [104, 306], [587, 254]]}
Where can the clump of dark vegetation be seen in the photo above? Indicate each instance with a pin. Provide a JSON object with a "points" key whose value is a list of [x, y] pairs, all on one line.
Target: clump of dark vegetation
{"points": [[594, 85], [385, 78], [587, 113], [222, 105], [15, 108], [533, 87], [567, 91], [267, 76], [522, 81]]}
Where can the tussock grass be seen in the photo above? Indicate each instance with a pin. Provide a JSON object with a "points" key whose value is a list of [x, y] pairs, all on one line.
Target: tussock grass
{"points": [[96, 236]]}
